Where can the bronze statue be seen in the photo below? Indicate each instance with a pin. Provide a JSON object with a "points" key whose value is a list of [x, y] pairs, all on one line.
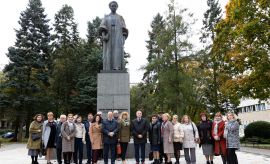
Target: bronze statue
{"points": [[113, 32]]}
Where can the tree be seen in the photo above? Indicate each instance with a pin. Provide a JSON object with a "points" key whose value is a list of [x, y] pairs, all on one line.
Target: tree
{"points": [[65, 58], [28, 71], [247, 50], [212, 62]]}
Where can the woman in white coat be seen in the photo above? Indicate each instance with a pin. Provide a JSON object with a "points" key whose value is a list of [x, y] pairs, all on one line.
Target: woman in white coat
{"points": [[191, 138]]}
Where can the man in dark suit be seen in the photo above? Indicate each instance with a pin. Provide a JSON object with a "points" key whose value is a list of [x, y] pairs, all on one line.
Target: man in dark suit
{"points": [[58, 141], [87, 125], [139, 131], [110, 131]]}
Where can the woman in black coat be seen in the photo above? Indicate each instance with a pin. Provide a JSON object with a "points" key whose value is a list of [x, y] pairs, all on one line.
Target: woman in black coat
{"points": [[207, 142], [155, 137]]}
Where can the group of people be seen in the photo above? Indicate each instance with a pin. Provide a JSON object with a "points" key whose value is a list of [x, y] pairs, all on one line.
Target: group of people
{"points": [[167, 137]]}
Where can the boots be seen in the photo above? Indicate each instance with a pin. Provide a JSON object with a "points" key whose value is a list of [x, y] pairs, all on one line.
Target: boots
{"points": [[207, 162], [212, 162]]}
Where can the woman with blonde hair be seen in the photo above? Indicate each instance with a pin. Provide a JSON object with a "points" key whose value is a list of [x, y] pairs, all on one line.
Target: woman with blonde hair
{"points": [[49, 136], [231, 133], [167, 135], [178, 135], [124, 134], [191, 138]]}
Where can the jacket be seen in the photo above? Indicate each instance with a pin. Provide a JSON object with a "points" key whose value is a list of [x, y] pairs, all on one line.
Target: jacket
{"points": [[35, 127], [139, 128], [154, 133], [178, 133], [107, 127]]}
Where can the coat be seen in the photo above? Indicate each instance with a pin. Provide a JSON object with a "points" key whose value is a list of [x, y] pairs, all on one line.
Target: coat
{"points": [[190, 134], [46, 131], [205, 132], [124, 131], [154, 133], [232, 129], [107, 127], [220, 145], [167, 135], [139, 128], [87, 125], [58, 141], [68, 145], [178, 133], [35, 127], [95, 132]]}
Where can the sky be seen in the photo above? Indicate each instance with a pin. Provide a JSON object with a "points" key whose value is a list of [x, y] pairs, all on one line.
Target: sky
{"points": [[138, 15]]}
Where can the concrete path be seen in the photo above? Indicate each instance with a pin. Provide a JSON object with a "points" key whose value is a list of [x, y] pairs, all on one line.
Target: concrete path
{"points": [[17, 154]]}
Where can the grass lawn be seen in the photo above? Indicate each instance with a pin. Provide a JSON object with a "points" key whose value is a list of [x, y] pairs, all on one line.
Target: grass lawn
{"points": [[260, 146]]}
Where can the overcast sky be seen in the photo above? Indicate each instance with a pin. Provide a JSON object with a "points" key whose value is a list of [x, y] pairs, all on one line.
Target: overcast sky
{"points": [[138, 15]]}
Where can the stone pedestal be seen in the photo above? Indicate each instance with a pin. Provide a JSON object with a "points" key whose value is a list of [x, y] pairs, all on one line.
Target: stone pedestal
{"points": [[113, 92]]}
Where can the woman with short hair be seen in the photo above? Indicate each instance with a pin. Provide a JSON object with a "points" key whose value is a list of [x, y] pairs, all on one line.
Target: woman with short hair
{"points": [[34, 140], [79, 140], [178, 135], [155, 137], [206, 139], [218, 135], [232, 136], [167, 134], [68, 132], [191, 138], [49, 136]]}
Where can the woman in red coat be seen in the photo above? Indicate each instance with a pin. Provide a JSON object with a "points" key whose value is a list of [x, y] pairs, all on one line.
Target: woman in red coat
{"points": [[217, 133]]}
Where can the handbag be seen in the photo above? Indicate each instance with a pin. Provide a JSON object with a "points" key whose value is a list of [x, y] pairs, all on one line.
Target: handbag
{"points": [[196, 140], [35, 136], [118, 148]]}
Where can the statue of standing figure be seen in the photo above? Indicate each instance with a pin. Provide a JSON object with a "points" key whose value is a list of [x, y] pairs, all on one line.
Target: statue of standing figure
{"points": [[113, 32]]}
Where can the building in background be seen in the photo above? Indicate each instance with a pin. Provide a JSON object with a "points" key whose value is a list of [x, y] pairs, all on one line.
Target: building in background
{"points": [[251, 110]]}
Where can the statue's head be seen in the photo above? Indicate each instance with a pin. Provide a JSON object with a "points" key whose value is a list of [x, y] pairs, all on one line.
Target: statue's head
{"points": [[113, 6]]}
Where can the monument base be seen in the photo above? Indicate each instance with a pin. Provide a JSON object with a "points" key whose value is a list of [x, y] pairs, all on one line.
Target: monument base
{"points": [[113, 92]]}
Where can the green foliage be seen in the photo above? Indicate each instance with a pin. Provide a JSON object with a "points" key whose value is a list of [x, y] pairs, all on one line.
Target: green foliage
{"points": [[27, 74], [260, 129]]}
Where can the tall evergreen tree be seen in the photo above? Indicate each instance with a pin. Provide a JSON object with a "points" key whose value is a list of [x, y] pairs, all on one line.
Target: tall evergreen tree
{"points": [[211, 64], [65, 58], [28, 71]]}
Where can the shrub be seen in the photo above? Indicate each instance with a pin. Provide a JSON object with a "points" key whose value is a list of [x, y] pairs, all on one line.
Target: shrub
{"points": [[260, 129]]}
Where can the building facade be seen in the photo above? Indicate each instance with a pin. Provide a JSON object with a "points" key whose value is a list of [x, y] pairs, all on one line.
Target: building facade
{"points": [[251, 110]]}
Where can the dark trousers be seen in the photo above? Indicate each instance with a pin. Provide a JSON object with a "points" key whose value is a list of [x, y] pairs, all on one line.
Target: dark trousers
{"points": [[89, 150], [139, 146], [124, 146], [106, 149], [67, 157], [190, 155], [59, 155], [95, 155], [78, 149], [161, 153], [232, 158]]}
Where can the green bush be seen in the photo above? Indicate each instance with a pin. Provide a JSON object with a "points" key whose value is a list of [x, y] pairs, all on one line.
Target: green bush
{"points": [[260, 129]]}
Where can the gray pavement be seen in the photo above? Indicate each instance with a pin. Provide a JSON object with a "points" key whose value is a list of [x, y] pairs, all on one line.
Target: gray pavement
{"points": [[17, 154]]}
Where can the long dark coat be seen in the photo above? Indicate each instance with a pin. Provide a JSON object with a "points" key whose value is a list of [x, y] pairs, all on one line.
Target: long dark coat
{"points": [[139, 127]]}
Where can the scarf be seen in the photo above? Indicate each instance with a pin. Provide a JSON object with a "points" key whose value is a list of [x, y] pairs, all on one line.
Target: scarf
{"points": [[216, 126]]}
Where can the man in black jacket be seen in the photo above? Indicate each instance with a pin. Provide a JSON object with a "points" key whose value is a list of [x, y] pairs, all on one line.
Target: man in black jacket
{"points": [[139, 132], [110, 130], [87, 125]]}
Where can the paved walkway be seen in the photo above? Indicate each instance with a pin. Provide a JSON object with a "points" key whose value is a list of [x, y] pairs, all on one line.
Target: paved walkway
{"points": [[17, 154]]}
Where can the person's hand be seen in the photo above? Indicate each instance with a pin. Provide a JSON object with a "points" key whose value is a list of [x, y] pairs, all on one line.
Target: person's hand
{"points": [[170, 140], [139, 136], [216, 138], [118, 140], [84, 142], [68, 137], [39, 130]]}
